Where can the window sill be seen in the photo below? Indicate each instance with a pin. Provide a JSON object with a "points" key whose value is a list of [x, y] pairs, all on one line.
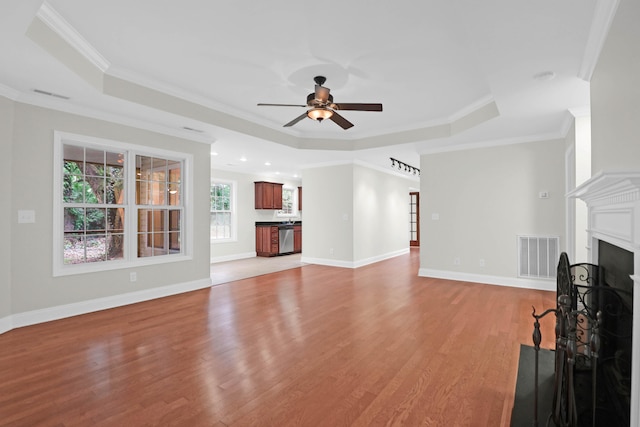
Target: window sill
{"points": [[69, 270]]}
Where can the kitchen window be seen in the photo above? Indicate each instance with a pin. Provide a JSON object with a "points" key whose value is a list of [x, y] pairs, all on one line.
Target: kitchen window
{"points": [[117, 205], [222, 211], [288, 203]]}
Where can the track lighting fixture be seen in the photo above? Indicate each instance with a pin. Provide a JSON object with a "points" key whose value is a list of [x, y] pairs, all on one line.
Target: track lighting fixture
{"points": [[407, 168]]}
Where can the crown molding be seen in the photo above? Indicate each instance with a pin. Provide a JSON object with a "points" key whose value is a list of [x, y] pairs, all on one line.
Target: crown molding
{"points": [[8, 92], [60, 26], [602, 19], [70, 108], [494, 143]]}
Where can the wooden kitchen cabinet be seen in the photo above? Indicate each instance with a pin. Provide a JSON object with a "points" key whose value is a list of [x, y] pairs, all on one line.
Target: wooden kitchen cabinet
{"points": [[297, 239], [267, 240], [299, 198], [268, 195]]}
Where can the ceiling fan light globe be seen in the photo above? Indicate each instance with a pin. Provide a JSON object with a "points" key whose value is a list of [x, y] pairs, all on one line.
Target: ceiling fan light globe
{"points": [[319, 114]]}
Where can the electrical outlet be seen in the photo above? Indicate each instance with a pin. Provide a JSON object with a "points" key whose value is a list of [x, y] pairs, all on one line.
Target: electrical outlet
{"points": [[456, 261], [133, 276], [481, 262], [330, 251]]}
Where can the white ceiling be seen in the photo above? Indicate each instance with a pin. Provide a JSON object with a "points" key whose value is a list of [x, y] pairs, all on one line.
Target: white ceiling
{"points": [[432, 64]]}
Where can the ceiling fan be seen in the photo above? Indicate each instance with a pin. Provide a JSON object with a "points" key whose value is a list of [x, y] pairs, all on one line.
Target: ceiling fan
{"points": [[323, 107]]}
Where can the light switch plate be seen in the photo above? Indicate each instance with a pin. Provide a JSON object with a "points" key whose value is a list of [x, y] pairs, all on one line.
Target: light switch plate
{"points": [[26, 216]]}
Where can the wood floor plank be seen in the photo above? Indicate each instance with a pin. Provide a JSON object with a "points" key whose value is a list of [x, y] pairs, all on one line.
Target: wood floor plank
{"points": [[309, 346]]}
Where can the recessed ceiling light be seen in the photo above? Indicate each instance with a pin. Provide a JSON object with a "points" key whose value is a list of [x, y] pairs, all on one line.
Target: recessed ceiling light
{"points": [[243, 159], [267, 163], [214, 153]]}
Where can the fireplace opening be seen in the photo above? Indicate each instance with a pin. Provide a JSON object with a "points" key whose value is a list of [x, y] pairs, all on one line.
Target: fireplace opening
{"points": [[615, 301]]}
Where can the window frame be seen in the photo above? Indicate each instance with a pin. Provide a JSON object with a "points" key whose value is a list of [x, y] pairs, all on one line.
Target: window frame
{"points": [[130, 255], [233, 228]]}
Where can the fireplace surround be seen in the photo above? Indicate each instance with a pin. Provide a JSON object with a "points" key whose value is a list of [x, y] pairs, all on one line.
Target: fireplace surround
{"points": [[613, 206]]}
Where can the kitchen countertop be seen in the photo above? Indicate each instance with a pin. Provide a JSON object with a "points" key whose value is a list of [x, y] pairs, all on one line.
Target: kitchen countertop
{"points": [[270, 223]]}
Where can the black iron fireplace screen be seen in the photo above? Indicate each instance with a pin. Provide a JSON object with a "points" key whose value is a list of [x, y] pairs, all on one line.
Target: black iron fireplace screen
{"points": [[592, 379]]}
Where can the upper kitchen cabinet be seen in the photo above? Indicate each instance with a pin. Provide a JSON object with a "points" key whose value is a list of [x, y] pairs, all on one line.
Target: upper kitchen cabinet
{"points": [[299, 198], [268, 195]]}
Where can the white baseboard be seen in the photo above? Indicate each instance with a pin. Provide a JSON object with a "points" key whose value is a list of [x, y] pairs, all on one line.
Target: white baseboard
{"points": [[68, 310], [5, 324], [233, 257], [354, 264], [514, 282]]}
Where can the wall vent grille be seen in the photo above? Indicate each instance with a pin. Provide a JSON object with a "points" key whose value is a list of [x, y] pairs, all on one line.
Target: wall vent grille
{"points": [[538, 256]]}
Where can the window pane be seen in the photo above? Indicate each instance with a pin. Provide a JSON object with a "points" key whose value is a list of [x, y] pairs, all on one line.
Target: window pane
{"points": [[175, 171], [144, 220], [174, 242], [143, 250], [95, 220], [159, 169], [96, 248], [174, 194], [143, 167], [74, 219], [73, 249], [174, 220], [73, 189], [143, 193], [115, 220], [94, 162], [158, 193], [115, 246], [95, 189], [114, 191]]}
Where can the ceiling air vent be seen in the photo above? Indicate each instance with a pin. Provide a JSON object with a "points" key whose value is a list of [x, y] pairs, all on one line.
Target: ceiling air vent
{"points": [[55, 95]]}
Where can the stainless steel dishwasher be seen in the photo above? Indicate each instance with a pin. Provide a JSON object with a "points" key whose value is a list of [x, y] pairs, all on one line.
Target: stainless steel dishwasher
{"points": [[285, 238]]}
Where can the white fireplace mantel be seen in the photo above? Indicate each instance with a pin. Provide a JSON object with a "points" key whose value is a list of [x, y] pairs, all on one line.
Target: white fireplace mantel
{"points": [[613, 206]]}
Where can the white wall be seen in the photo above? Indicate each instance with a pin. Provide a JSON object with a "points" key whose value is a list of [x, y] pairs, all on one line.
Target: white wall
{"points": [[33, 287], [354, 215], [327, 203], [6, 210], [247, 214], [615, 95], [381, 209], [485, 198]]}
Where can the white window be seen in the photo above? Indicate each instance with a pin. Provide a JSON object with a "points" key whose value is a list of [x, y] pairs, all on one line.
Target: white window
{"points": [[223, 211], [288, 202], [117, 205]]}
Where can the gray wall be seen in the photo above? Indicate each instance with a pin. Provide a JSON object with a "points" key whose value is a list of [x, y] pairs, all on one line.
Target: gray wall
{"points": [[615, 110], [6, 218], [32, 285], [485, 198]]}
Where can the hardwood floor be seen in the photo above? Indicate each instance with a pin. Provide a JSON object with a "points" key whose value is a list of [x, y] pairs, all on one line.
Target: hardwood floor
{"points": [[309, 346]]}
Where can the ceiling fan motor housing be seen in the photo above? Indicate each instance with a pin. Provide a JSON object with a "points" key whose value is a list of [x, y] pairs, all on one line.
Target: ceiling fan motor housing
{"points": [[313, 102]]}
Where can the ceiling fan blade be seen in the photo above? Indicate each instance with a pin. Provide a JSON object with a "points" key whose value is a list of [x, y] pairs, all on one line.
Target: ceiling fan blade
{"points": [[296, 120], [341, 121], [322, 93], [357, 107], [280, 105]]}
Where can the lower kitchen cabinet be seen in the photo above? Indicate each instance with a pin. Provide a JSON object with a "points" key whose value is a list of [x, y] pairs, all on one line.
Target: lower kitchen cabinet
{"points": [[297, 239], [267, 240]]}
